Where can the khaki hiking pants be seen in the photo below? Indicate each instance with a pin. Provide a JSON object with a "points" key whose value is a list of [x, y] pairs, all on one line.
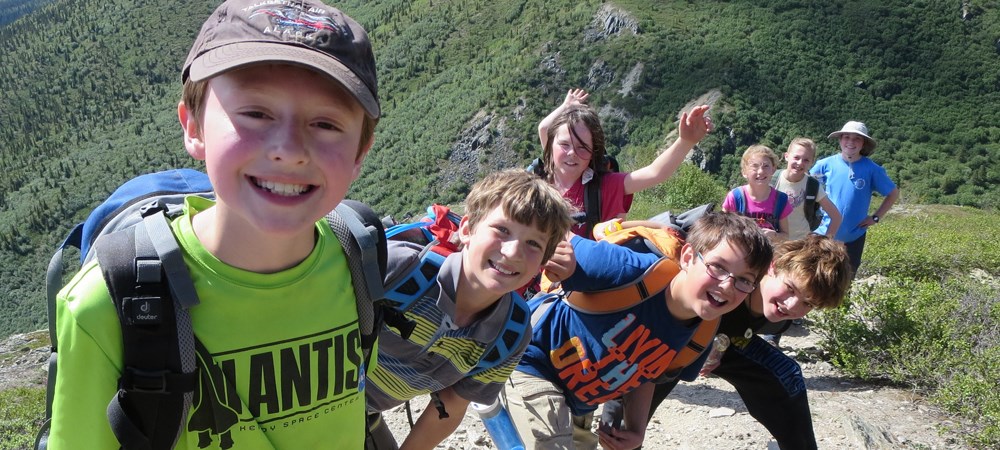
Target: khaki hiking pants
{"points": [[543, 418]]}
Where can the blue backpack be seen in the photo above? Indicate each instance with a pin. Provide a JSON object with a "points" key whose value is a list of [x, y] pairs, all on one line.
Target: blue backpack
{"points": [[437, 233], [779, 206], [152, 290]]}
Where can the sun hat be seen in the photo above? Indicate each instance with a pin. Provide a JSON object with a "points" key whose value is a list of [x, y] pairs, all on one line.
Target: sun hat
{"points": [[304, 32], [858, 128]]}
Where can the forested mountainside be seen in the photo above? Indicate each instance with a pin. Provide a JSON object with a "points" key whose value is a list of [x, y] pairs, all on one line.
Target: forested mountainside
{"points": [[89, 91], [11, 10]]}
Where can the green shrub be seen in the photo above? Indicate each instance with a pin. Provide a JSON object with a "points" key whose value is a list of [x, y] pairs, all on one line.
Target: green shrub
{"points": [[932, 242], [939, 337], [21, 410], [687, 188]]}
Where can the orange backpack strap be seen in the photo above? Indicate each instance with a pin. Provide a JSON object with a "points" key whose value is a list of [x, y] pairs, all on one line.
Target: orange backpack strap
{"points": [[667, 242], [656, 278], [700, 341]]}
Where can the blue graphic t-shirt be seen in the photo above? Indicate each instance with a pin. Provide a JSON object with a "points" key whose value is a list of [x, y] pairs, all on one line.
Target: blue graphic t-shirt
{"points": [[598, 357], [850, 187]]}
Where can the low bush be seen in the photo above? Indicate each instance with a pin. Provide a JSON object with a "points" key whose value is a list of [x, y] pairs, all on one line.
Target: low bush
{"points": [[21, 413], [927, 314], [687, 188]]}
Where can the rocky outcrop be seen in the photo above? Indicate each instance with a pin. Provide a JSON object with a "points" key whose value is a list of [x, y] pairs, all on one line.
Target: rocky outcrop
{"points": [[631, 80], [610, 21], [969, 11], [482, 147], [599, 75], [22, 360]]}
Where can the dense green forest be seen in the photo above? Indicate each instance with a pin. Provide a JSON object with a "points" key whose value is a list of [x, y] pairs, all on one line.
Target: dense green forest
{"points": [[89, 91], [11, 10]]}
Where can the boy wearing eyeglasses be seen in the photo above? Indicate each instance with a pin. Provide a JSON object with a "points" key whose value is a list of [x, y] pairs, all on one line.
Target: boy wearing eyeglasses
{"points": [[806, 274], [577, 360], [851, 178]]}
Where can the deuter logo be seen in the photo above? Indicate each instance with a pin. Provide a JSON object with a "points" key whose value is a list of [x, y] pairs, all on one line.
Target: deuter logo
{"points": [[145, 310]]}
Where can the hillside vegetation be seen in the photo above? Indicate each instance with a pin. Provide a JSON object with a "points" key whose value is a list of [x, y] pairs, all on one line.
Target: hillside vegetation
{"points": [[90, 89]]}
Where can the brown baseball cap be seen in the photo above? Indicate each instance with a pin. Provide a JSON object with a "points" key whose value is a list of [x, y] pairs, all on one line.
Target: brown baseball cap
{"points": [[305, 32]]}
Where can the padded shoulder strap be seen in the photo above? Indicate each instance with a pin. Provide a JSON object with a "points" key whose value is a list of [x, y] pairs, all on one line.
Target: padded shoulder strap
{"points": [[741, 203], [656, 278], [417, 278], [592, 203], [812, 189], [781, 199], [699, 342], [362, 237], [159, 375], [514, 331]]}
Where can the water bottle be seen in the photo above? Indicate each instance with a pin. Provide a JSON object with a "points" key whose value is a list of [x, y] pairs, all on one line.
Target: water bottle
{"points": [[500, 426], [718, 348]]}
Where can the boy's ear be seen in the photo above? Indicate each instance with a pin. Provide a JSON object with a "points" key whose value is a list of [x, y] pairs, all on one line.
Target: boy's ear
{"points": [[464, 231], [362, 153], [687, 256], [193, 142]]}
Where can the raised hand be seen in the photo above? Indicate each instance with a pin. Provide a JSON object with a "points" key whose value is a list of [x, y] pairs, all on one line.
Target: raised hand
{"points": [[576, 97], [695, 124]]}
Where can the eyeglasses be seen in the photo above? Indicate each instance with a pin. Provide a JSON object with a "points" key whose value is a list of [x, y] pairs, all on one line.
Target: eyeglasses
{"points": [[719, 274]]}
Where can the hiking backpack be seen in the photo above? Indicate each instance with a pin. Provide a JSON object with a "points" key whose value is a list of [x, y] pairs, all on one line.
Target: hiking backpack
{"points": [[779, 206], [438, 233], [810, 206], [667, 244], [152, 290]]}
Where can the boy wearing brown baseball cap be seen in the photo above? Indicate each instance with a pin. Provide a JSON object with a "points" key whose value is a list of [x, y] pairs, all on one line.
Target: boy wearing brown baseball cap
{"points": [[280, 100]]}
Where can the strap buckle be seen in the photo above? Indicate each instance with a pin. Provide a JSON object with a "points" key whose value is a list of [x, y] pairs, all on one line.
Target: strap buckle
{"points": [[144, 381]]}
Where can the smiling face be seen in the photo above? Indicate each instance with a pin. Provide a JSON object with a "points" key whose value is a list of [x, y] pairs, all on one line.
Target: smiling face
{"points": [[571, 151], [758, 170], [698, 294], [499, 254], [281, 146], [851, 145], [800, 159], [781, 297]]}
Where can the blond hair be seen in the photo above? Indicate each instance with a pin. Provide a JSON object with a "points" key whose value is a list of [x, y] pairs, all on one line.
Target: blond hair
{"points": [[758, 150], [524, 198], [822, 266], [805, 143], [739, 232]]}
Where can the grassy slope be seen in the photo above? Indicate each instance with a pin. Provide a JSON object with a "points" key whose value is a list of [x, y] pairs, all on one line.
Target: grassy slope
{"points": [[84, 111]]}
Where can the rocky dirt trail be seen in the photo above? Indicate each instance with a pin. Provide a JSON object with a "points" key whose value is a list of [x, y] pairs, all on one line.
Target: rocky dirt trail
{"points": [[708, 414], [705, 414]]}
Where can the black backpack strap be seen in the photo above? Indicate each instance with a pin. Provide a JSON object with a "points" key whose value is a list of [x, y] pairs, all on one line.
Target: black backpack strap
{"points": [[592, 203], [361, 234], [151, 289], [812, 190]]}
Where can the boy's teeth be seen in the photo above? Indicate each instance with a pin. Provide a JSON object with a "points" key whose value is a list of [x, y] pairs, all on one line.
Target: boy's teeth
{"points": [[501, 270], [717, 299], [287, 190]]}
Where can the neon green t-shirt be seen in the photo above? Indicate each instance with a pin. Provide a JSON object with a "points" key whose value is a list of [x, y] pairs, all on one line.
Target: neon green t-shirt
{"points": [[280, 358]]}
